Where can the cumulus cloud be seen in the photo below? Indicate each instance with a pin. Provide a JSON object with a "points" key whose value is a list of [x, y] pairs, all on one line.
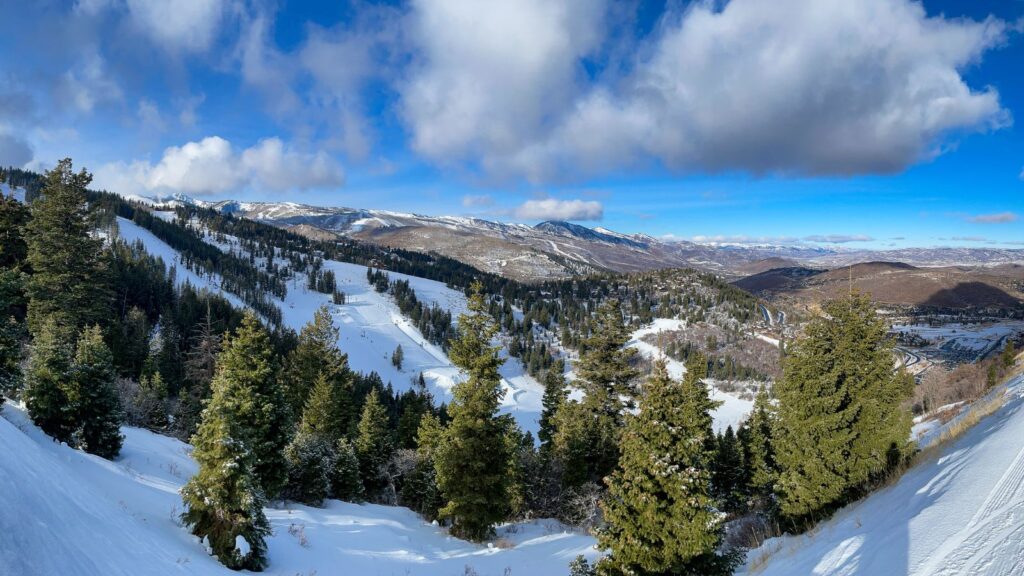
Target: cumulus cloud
{"points": [[477, 201], [838, 238], [212, 166], [554, 209], [795, 86], [998, 218]]}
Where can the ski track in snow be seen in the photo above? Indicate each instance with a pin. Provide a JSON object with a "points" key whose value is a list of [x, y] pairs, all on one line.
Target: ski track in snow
{"points": [[961, 512], [67, 513], [371, 327]]}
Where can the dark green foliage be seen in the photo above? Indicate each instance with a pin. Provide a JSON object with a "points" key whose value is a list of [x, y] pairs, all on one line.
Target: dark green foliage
{"points": [[311, 463], [587, 433], [223, 500], [420, 491], [12, 333], [729, 474], [842, 410], [1009, 354], [97, 406], [151, 401], [580, 567], [397, 357], [555, 393], [472, 461], [373, 447], [246, 365], [761, 471], [68, 280], [345, 481], [13, 217], [316, 356], [48, 374], [659, 509]]}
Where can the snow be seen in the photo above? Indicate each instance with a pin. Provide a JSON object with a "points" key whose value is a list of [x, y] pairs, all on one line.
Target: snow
{"points": [[371, 327], [67, 512], [960, 512], [732, 412]]}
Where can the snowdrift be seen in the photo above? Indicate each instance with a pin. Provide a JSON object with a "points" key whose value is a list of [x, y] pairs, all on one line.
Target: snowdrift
{"points": [[68, 513]]}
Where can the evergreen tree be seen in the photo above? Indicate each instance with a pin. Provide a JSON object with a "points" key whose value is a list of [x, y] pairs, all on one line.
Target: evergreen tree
{"points": [[13, 217], [397, 357], [728, 478], [758, 451], [555, 393], [345, 481], [1009, 355], [97, 406], [49, 371], [200, 365], [311, 456], [247, 364], [373, 447], [223, 501], [420, 491], [316, 352], [472, 461], [11, 333], [659, 510], [842, 410], [587, 433], [68, 279], [151, 401]]}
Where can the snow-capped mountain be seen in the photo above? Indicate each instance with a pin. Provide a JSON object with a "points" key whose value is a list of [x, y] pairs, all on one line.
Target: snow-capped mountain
{"points": [[557, 249]]}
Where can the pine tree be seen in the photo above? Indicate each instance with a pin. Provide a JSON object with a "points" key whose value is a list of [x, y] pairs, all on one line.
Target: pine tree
{"points": [[345, 481], [728, 476], [1009, 355], [758, 451], [555, 393], [316, 352], [97, 406], [223, 501], [472, 461], [420, 491], [49, 371], [151, 399], [842, 410], [68, 279], [311, 454], [200, 365], [659, 509], [373, 447], [11, 333], [247, 363], [587, 433]]}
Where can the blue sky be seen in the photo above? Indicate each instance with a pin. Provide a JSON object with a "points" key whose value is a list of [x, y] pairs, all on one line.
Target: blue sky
{"points": [[866, 124]]}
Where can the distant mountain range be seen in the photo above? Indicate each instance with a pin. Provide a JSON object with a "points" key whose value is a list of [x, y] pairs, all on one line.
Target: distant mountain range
{"points": [[556, 249]]}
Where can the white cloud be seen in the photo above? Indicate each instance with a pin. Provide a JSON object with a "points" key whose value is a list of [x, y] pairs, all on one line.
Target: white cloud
{"points": [[187, 25], [211, 166], [491, 75], [838, 238], [89, 84], [998, 218], [554, 209], [793, 86], [14, 150]]}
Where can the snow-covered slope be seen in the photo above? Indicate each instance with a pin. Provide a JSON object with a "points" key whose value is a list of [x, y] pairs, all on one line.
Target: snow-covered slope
{"points": [[959, 513], [371, 327], [67, 513]]}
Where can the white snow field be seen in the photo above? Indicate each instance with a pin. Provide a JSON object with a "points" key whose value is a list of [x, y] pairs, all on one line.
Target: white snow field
{"points": [[732, 412], [67, 513], [959, 513], [371, 327]]}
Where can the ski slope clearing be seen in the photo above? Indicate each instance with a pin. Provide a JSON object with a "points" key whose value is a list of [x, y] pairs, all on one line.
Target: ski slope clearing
{"points": [[371, 326], [959, 513], [67, 512], [732, 412]]}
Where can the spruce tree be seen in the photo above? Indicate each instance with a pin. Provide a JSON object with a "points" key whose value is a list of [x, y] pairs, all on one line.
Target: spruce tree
{"points": [[200, 365], [311, 456], [48, 374], [68, 281], [659, 509], [728, 479], [420, 491], [373, 447], [151, 399], [97, 405], [316, 352], [758, 451], [345, 481], [11, 333], [587, 433], [223, 501], [247, 363], [555, 393], [842, 410], [472, 460]]}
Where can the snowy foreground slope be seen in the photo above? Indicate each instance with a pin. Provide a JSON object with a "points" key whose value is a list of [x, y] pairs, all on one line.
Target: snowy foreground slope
{"points": [[961, 512], [69, 513]]}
